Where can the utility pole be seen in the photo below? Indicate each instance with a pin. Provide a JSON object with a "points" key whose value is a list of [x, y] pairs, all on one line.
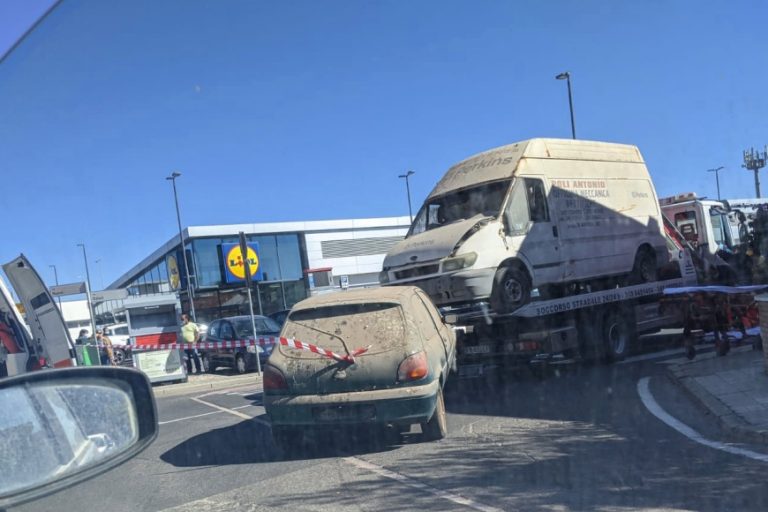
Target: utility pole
{"points": [[717, 178], [408, 191], [172, 179], [56, 278], [566, 75], [754, 161], [88, 292]]}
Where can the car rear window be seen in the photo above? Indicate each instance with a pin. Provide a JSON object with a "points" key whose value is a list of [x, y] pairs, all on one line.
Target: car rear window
{"points": [[380, 324]]}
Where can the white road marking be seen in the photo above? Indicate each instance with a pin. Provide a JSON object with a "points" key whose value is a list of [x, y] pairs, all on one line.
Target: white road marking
{"points": [[187, 417], [362, 464], [232, 411], [653, 355], [655, 409], [410, 482]]}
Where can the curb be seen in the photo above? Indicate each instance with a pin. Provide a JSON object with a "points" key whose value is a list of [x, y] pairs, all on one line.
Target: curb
{"points": [[729, 421], [187, 388]]}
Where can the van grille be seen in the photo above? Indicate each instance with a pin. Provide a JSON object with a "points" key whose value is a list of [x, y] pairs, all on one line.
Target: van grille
{"points": [[417, 271]]}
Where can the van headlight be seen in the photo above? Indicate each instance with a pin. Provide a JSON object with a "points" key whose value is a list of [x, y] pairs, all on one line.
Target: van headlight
{"points": [[383, 277], [459, 262]]}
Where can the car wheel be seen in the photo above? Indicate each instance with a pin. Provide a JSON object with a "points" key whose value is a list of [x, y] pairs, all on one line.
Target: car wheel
{"points": [[437, 426], [205, 361], [118, 355], [240, 366], [511, 289]]}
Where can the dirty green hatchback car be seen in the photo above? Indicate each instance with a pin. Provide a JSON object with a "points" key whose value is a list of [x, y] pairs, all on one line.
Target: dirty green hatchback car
{"points": [[397, 381]]}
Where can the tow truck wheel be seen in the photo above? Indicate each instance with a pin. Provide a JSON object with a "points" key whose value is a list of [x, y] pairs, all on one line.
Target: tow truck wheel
{"points": [[511, 289], [617, 336]]}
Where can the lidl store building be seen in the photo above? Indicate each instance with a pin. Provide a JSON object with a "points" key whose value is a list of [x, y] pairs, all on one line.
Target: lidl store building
{"points": [[295, 260]]}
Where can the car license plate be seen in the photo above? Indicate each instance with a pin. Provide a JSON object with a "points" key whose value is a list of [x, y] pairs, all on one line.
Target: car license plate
{"points": [[364, 412], [477, 349]]}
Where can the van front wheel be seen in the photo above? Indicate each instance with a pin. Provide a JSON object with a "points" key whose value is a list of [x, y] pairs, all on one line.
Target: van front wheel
{"points": [[511, 289]]}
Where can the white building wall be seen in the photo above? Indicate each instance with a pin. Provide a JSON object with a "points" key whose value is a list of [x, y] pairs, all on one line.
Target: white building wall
{"points": [[350, 265], [76, 315]]}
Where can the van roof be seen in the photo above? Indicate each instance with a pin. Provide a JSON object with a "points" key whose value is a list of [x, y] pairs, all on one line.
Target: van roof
{"points": [[501, 162]]}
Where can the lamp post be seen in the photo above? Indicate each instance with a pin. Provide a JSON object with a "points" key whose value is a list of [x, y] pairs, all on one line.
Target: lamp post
{"points": [[717, 178], [408, 191], [172, 179], [566, 75], [56, 279], [88, 291], [754, 161]]}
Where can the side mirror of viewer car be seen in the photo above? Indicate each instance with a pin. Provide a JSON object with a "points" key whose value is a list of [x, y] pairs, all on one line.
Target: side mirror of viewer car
{"points": [[60, 427]]}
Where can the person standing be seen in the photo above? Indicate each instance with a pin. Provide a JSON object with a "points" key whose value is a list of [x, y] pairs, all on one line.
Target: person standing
{"points": [[109, 356], [83, 338], [190, 333]]}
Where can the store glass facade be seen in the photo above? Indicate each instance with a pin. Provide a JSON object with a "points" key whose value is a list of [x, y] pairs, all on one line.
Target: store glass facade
{"points": [[282, 284]]}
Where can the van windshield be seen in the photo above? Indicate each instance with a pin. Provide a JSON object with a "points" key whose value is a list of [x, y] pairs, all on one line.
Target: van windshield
{"points": [[485, 200]]}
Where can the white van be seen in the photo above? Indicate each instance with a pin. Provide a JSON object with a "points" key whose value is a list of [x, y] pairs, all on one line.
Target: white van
{"points": [[538, 214]]}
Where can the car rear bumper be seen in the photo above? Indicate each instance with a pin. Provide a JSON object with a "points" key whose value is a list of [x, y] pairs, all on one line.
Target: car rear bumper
{"points": [[409, 405]]}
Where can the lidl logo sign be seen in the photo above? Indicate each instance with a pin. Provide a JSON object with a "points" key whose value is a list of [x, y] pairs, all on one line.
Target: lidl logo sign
{"points": [[234, 264], [174, 277]]}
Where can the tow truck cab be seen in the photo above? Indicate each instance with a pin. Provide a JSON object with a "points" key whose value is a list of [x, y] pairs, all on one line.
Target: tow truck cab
{"points": [[706, 224]]}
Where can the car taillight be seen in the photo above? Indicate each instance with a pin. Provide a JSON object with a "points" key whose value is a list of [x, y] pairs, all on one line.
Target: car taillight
{"points": [[274, 379], [413, 367]]}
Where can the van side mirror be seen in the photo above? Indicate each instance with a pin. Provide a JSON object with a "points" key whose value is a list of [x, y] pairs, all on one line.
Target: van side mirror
{"points": [[450, 319], [60, 427]]}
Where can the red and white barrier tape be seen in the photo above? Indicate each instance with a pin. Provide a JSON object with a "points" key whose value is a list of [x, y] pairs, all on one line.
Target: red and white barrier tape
{"points": [[262, 342]]}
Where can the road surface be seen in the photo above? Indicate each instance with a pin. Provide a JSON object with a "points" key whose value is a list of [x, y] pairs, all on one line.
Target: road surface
{"points": [[579, 439]]}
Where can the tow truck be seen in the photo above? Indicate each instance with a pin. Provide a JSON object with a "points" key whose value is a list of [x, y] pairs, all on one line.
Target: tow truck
{"points": [[41, 342], [588, 325]]}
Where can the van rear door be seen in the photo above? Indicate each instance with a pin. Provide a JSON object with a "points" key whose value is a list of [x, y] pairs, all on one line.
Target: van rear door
{"points": [[44, 318]]}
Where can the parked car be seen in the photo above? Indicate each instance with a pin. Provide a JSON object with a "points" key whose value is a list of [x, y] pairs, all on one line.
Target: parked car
{"points": [[397, 382], [279, 316], [118, 335], [237, 328]]}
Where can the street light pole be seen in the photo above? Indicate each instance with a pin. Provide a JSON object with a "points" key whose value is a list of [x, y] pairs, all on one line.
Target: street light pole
{"points": [[566, 75], [717, 178], [172, 179], [56, 278], [408, 191], [88, 291], [754, 161]]}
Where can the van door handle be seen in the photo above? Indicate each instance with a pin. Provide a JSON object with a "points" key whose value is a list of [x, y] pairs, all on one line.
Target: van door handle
{"points": [[554, 231]]}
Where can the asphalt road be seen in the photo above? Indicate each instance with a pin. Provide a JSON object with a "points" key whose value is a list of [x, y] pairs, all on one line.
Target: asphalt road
{"points": [[579, 439]]}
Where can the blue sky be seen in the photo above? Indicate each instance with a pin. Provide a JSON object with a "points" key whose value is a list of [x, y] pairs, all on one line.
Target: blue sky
{"points": [[277, 111]]}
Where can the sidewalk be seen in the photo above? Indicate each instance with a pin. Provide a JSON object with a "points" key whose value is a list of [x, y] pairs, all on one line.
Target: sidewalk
{"points": [[206, 382], [733, 388]]}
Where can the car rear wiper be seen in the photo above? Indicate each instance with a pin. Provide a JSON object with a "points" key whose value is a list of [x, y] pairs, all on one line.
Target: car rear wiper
{"points": [[343, 343]]}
